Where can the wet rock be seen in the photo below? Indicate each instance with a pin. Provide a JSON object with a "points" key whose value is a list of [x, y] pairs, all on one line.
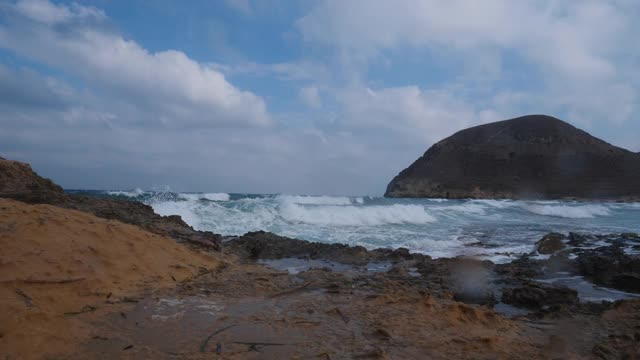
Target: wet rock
{"points": [[630, 235], [550, 243], [536, 295], [266, 245], [626, 282], [486, 298], [609, 266], [521, 268], [560, 262], [576, 240]]}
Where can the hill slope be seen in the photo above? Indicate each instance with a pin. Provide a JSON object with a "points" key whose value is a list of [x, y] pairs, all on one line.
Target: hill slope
{"points": [[533, 156]]}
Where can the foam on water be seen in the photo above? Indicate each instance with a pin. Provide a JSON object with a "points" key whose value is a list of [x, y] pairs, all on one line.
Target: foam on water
{"points": [[497, 230], [131, 193], [355, 215], [316, 200], [205, 196], [569, 211]]}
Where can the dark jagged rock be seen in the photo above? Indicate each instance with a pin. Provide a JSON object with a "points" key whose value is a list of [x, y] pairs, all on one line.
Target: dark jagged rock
{"points": [[266, 245], [610, 266], [533, 156], [576, 239], [535, 295], [19, 182], [522, 268], [550, 243]]}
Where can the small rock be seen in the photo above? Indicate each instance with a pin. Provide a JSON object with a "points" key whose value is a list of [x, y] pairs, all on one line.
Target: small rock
{"points": [[550, 243], [630, 235], [576, 239]]}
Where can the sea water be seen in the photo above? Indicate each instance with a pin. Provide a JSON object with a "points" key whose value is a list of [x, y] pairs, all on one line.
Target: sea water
{"points": [[497, 230]]}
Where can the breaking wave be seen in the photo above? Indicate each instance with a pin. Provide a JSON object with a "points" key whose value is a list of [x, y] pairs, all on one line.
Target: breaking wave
{"points": [[205, 196], [318, 200], [496, 230], [568, 211], [131, 193], [355, 215]]}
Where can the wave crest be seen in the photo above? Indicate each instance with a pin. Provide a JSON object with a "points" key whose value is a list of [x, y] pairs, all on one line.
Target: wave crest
{"points": [[355, 215], [131, 193], [566, 211], [315, 200], [205, 196]]}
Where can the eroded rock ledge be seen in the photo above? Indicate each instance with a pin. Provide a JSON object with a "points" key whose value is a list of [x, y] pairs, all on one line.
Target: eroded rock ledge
{"points": [[19, 182]]}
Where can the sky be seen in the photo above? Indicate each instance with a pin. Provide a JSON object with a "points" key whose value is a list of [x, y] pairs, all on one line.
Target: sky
{"points": [[297, 96]]}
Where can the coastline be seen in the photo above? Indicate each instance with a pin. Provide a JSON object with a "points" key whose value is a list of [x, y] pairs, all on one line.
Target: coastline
{"points": [[261, 295]]}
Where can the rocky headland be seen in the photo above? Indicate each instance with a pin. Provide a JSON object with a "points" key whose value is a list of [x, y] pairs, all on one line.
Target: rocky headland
{"points": [[85, 278], [530, 157]]}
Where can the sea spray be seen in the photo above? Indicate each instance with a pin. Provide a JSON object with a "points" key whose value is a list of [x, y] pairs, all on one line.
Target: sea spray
{"points": [[497, 230]]}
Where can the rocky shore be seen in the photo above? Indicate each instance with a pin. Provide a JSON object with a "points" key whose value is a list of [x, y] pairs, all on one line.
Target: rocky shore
{"points": [[87, 278]]}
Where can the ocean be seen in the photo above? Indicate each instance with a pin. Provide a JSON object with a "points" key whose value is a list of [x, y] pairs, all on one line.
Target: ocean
{"points": [[496, 230]]}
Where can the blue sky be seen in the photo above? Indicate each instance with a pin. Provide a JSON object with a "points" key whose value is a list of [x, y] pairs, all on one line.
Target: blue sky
{"points": [[315, 97]]}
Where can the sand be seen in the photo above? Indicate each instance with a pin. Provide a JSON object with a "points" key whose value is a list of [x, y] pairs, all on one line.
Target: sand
{"points": [[61, 269]]}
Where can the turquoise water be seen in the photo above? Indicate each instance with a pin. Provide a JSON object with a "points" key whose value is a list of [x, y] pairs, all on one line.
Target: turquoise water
{"points": [[498, 230]]}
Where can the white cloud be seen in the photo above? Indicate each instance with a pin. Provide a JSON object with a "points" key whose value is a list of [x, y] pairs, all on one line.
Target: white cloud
{"points": [[577, 51], [130, 114], [167, 82], [311, 97], [412, 114], [48, 13]]}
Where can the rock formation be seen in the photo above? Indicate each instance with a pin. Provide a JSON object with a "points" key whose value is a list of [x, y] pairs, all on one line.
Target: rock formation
{"points": [[19, 182], [533, 156]]}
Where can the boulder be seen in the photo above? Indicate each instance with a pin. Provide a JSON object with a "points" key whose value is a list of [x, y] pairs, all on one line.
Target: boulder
{"points": [[550, 243], [610, 266]]}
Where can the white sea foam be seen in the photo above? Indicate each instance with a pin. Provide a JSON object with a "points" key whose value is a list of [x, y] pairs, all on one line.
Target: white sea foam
{"points": [[204, 196], [468, 208], [354, 215], [131, 193], [500, 204], [439, 229], [186, 210], [316, 200], [568, 211]]}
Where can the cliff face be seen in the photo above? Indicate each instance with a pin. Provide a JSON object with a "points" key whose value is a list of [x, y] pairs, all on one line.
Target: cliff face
{"points": [[533, 156]]}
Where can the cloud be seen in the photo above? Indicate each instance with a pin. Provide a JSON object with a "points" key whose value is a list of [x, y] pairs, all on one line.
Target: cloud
{"points": [[51, 14], [411, 114], [92, 108], [177, 89], [573, 52], [24, 88], [311, 97]]}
